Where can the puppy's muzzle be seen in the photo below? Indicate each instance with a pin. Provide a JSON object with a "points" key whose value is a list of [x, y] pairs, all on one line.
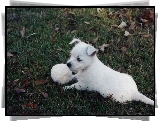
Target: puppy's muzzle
{"points": [[69, 64]]}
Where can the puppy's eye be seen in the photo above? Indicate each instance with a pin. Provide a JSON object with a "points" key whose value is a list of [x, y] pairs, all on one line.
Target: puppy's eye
{"points": [[78, 59]]}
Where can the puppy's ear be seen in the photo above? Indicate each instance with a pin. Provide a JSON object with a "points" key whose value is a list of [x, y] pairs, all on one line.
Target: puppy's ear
{"points": [[91, 51], [76, 41]]}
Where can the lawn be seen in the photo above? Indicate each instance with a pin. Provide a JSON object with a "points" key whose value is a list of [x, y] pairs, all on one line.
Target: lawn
{"points": [[38, 38]]}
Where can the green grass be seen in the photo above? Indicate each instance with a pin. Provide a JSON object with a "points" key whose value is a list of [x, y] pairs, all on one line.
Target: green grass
{"points": [[37, 54]]}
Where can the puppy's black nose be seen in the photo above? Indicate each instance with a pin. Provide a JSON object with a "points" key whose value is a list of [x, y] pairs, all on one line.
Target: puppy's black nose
{"points": [[69, 64]]}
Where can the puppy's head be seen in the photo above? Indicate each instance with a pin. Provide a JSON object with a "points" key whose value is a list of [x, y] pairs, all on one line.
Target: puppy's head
{"points": [[82, 56]]}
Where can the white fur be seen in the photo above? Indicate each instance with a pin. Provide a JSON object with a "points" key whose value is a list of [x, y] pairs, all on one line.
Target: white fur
{"points": [[93, 75], [61, 74]]}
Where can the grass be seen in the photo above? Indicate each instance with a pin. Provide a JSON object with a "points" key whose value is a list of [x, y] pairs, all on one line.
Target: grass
{"points": [[34, 55]]}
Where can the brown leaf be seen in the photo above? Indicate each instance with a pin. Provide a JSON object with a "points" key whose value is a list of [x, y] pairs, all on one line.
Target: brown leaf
{"points": [[74, 31], [121, 69], [146, 35], [114, 26], [127, 33], [40, 82], [144, 20], [101, 48], [132, 26], [123, 49], [95, 40], [87, 23], [9, 29], [22, 32], [57, 30], [23, 106], [122, 25], [19, 90], [44, 94], [53, 38], [9, 54], [32, 105], [15, 81], [71, 13], [26, 83]]}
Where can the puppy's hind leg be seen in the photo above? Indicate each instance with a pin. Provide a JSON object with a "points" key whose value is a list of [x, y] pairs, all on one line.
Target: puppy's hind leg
{"points": [[140, 97]]}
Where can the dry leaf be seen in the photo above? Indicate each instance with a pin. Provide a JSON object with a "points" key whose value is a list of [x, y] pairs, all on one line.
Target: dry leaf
{"points": [[39, 82], [144, 20], [122, 25], [74, 31], [127, 33], [22, 32], [44, 94], [146, 35], [71, 13], [15, 81], [23, 106], [31, 105], [132, 26], [101, 48], [114, 26], [57, 30], [9, 54], [53, 39], [86, 22], [95, 40], [123, 49], [99, 10], [9, 29], [121, 69], [19, 90]]}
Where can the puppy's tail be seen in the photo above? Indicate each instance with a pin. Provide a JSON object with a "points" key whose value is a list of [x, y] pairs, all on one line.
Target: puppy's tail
{"points": [[140, 97]]}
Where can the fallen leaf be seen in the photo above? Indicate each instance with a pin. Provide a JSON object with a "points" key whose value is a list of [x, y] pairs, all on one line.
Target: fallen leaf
{"points": [[87, 23], [44, 94], [95, 40], [23, 106], [123, 49], [132, 26], [106, 45], [99, 10], [39, 82], [146, 35], [57, 30], [96, 16], [22, 32], [71, 13], [26, 84], [9, 54], [9, 29], [31, 105], [53, 38], [31, 35], [15, 81], [127, 33], [114, 26], [121, 69], [19, 90], [144, 20], [122, 25], [74, 31], [101, 48]]}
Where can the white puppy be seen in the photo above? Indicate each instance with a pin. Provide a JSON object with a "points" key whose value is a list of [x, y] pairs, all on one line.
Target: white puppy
{"points": [[93, 75]]}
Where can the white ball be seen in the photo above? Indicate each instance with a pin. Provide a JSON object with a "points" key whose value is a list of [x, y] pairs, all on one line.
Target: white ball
{"points": [[61, 74]]}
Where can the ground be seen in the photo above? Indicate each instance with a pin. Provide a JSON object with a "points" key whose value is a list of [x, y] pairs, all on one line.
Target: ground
{"points": [[38, 38]]}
